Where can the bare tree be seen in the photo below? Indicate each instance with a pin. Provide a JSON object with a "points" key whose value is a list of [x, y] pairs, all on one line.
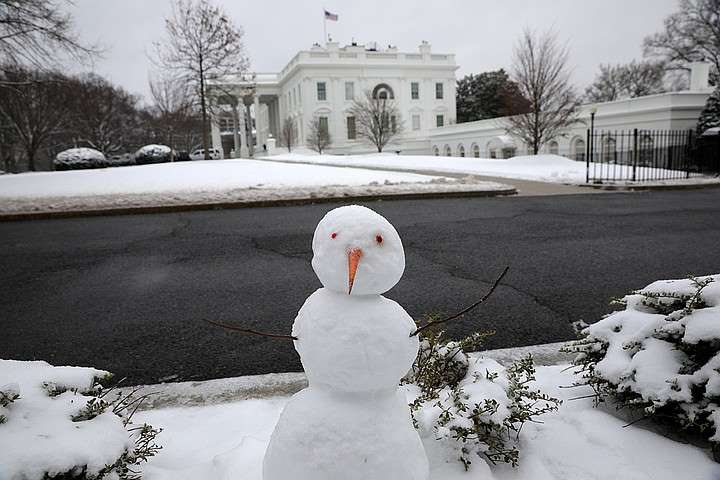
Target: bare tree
{"points": [[377, 119], [318, 137], [541, 73], [35, 107], [635, 79], [288, 133], [691, 34], [175, 113], [202, 43], [34, 32], [103, 115]]}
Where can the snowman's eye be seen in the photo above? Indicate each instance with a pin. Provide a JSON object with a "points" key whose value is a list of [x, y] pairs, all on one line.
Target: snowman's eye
{"points": [[334, 235], [378, 238]]}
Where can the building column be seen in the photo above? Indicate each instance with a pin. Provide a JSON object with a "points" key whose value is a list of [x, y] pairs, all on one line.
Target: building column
{"points": [[215, 133], [248, 128], [258, 125], [236, 130]]}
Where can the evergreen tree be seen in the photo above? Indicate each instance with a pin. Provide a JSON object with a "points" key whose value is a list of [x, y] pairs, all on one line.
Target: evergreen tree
{"points": [[488, 95], [710, 116]]}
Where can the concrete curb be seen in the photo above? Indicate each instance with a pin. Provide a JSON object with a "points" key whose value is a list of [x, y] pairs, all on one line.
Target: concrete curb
{"points": [[44, 215], [210, 392], [642, 188]]}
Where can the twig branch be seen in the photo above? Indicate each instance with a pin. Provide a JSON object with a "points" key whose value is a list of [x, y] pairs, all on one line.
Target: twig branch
{"points": [[466, 309], [251, 331]]}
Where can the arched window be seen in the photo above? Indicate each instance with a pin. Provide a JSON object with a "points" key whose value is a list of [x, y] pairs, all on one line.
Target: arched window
{"points": [[608, 149], [383, 91], [461, 150], [476, 150], [646, 146], [448, 151], [553, 148], [436, 151], [579, 149]]}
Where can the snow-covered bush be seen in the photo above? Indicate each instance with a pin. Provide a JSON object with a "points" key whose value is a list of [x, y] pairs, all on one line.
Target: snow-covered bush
{"points": [[60, 422], [661, 354], [123, 160], [153, 154], [473, 404], [80, 158]]}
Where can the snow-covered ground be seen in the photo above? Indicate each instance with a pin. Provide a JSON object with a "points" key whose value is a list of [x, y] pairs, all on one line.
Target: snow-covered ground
{"points": [[576, 443], [542, 168], [210, 182]]}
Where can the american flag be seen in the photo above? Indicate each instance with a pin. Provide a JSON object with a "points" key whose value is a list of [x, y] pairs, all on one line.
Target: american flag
{"points": [[331, 16]]}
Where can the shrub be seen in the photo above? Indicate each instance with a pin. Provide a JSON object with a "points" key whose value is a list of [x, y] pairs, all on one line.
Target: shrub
{"points": [[153, 154], [123, 160], [61, 423], [80, 158], [660, 355], [474, 404]]}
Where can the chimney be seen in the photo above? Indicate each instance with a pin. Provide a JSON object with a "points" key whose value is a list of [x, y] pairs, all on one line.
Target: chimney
{"points": [[699, 76], [425, 47]]}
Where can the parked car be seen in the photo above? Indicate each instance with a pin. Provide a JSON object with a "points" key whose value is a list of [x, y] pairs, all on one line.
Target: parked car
{"points": [[199, 154]]}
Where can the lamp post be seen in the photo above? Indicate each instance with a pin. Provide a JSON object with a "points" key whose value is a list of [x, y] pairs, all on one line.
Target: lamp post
{"points": [[590, 144]]}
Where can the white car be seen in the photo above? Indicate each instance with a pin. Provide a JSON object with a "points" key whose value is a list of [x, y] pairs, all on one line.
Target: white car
{"points": [[199, 154]]}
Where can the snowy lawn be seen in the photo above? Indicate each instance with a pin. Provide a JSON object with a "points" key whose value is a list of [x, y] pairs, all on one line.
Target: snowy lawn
{"points": [[578, 442], [543, 168], [212, 182], [191, 176]]}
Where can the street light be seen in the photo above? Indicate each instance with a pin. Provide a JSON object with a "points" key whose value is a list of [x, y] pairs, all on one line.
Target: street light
{"points": [[593, 111]]}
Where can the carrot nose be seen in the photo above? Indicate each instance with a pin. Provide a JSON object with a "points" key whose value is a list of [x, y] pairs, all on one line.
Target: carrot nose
{"points": [[353, 261]]}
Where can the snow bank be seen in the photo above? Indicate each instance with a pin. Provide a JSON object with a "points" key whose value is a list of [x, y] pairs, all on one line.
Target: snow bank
{"points": [[39, 435], [543, 168], [228, 441], [199, 176]]}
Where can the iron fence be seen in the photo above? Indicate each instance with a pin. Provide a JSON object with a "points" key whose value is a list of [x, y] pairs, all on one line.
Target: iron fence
{"points": [[638, 155]]}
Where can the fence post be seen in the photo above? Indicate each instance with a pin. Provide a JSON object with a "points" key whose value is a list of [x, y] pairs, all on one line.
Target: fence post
{"points": [[587, 157], [688, 153], [635, 153]]}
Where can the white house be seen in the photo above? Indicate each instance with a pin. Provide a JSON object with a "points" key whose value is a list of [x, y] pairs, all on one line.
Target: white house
{"points": [[323, 81]]}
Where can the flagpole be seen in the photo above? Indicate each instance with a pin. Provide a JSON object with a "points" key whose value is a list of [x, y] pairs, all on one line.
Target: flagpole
{"points": [[325, 37]]}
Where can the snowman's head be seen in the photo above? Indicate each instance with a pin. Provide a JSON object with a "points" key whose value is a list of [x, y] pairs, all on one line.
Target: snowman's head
{"points": [[357, 251]]}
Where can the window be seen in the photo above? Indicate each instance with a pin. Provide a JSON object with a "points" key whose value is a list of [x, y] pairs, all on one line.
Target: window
{"points": [[493, 153], [415, 90], [476, 151], [439, 91], [579, 147], [321, 91], [351, 131], [299, 95], [323, 124], [553, 148], [393, 124], [439, 120], [436, 151], [448, 151], [383, 92], [416, 122], [226, 125], [349, 91], [461, 151]]}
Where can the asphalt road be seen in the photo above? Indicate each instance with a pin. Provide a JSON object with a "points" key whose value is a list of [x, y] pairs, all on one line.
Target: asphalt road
{"points": [[129, 293]]}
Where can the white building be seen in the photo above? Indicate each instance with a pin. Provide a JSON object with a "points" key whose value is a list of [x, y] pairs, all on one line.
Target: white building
{"points": [[665, 111], [323, 81]]}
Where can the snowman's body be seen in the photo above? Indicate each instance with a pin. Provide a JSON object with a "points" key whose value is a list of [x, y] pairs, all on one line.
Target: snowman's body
{"points": [[352, 422]]}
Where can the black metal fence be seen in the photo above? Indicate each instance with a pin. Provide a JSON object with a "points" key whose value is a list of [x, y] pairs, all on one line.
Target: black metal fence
{"points": [[639, 155]]}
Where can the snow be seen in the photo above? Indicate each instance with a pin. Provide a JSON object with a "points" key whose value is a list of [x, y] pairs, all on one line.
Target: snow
{"points": [[80, 156], [352, 421], [39, 435], [543, 168], [154, 151], [579, 442], [199, 176]]}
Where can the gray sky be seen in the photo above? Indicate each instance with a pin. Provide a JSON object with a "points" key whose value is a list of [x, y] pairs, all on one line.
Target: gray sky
{"points": [[480, 32]]}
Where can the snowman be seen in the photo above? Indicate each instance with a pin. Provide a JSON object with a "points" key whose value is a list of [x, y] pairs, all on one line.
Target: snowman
{"points": [[352, 422]]}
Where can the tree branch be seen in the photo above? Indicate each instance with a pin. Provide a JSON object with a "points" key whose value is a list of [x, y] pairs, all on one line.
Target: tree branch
{"points": [[251, 331], [466, 309]]}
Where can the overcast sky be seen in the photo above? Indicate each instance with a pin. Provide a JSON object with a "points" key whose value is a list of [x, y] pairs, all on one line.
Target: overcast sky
{"points": [[481, 33]]}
